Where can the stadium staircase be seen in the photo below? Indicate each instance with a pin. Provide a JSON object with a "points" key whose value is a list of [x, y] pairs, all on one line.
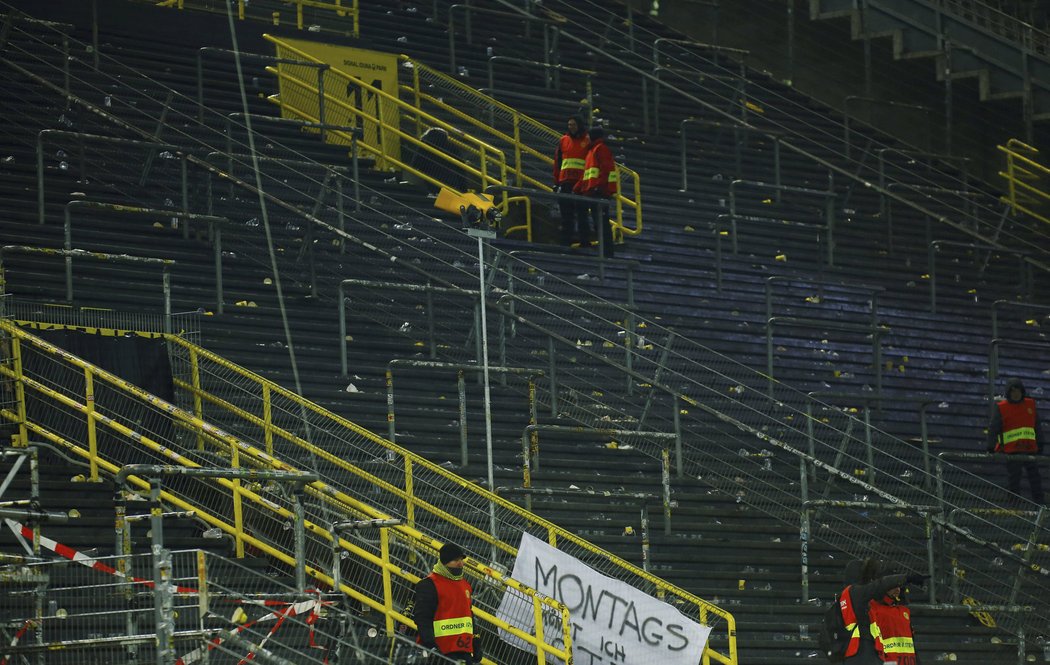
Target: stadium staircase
{"points": [[669, 280]]}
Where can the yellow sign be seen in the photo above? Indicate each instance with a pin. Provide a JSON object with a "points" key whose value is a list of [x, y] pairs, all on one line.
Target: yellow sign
{"points": [[347, 103]]}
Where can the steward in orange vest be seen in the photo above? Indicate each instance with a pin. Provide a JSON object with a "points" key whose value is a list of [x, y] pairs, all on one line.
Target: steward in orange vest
{"points": [[443, 608], [866, 583], [600, 180], [569, 161], [890, 623], [1015, 430]]}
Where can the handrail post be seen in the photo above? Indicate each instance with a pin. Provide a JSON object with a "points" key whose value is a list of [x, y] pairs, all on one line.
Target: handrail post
{"points": [[665, 481], [925, 437], [677, 420], [342, 329], [684, 165], [932, 272], [391, 433], [461, 390]]}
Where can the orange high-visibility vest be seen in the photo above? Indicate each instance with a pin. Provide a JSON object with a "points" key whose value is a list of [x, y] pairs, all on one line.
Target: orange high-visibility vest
{"points": [[570, 158], [891, 627], [453, 621], [849, 617], [600, 177], [1018, 427]]}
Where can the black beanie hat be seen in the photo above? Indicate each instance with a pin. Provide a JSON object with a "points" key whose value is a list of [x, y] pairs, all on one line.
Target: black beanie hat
{"points": [[596, 133], [450, 552]]}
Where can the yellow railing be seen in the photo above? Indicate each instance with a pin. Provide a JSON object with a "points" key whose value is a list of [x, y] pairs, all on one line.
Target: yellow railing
{"points": [[1027, 181], [521, 126], [51, 396], [198, 369], [337, 6]]}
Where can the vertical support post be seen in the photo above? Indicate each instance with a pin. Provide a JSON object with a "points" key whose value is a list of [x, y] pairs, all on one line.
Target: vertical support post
{"points": [[163, 611], [552, 369], [320, 102], [930, 560], [675, 404], [948, 112], [461, 385], [804, 533], [40, 181], [65, 69], [238, 508], [267, 418], [342, 330], [200, 90], [932, 260], [645, 537], [217, 257], [683, 163], [829, 214], [299, 531], [790, 42], [534, 421], [410, 496], [391, 434], [165, 278], [94, 34], [665, 477], [388, 588], [869, 449], [67, 233], [526, 467], [198, 403], [431, 335], [924, 434], [89, 405]]}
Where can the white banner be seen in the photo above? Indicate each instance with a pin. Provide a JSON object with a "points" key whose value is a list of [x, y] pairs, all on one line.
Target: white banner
{"points": [[612, 622]]}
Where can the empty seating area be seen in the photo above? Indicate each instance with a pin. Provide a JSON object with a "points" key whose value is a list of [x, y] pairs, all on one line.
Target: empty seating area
{"points": [[785, 370]]}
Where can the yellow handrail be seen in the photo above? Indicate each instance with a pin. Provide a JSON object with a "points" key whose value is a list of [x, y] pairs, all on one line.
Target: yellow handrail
{"points": [[235, 446], [1023, 176], [483, 151], [520, 122], [554, 532], [250, 454]]}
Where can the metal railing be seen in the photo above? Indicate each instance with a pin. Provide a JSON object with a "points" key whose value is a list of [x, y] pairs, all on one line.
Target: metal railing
{"points": [[264, 511], [260, 12], [737, 148], [70, 254]]}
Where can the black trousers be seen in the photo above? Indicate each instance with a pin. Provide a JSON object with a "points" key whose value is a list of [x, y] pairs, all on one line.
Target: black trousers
{"points": [[575, 218], [1035, 481], [599, 214]]}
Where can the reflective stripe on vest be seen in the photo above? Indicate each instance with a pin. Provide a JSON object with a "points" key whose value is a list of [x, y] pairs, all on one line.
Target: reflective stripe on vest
{"points": [[614, 176], [572, 163], [460, 626], [1015, 435], [591, 173]]}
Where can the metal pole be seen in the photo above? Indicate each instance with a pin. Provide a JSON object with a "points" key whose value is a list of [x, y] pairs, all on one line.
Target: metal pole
{"points": [[461, 384], [299, 530], [488, 395]]}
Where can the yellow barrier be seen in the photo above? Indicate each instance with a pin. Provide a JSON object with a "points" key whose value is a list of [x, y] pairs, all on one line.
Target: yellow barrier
{"points": [[482, 152], [1023, 178], [234, 447], [520, 124], [242, 453]]}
